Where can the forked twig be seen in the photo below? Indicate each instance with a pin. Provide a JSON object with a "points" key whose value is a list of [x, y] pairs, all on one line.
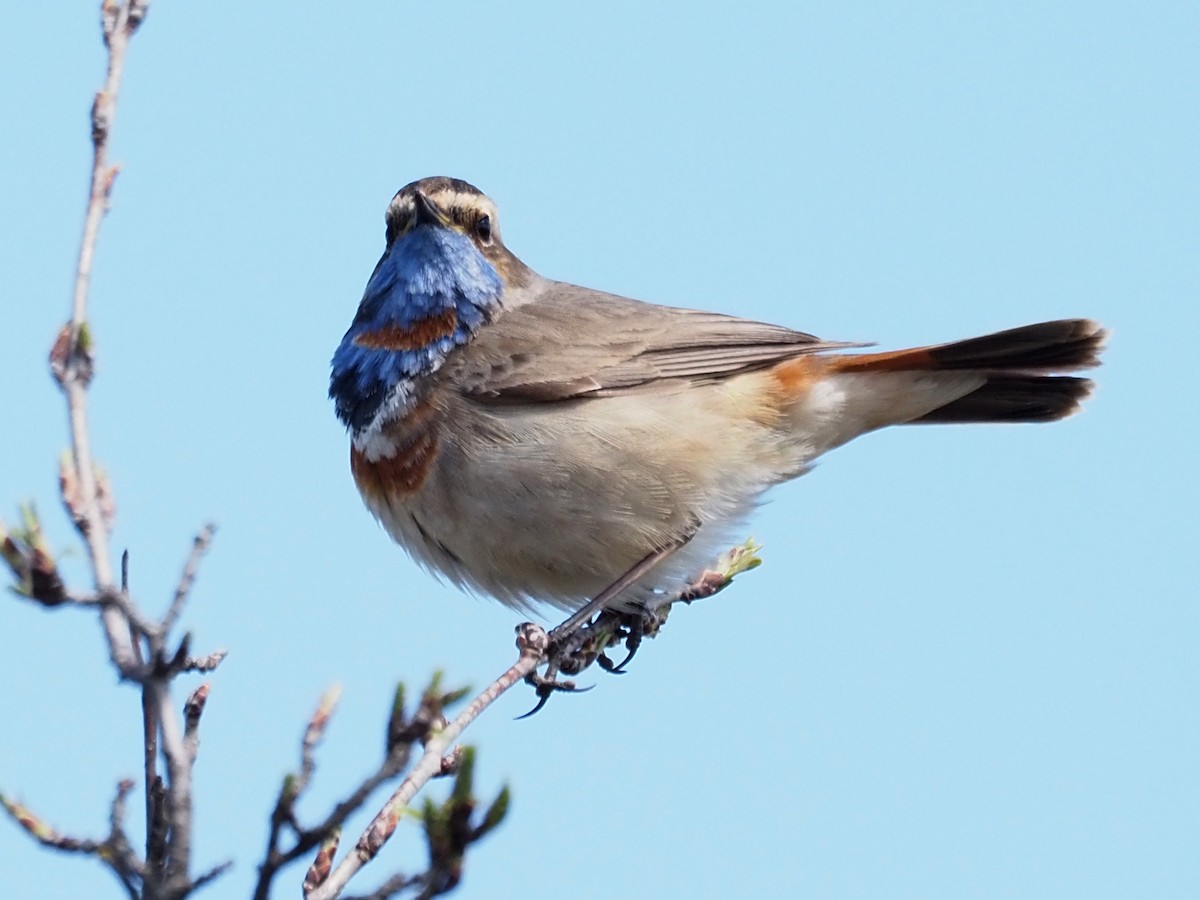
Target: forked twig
{"points": [[531, 641], [136, 642]]}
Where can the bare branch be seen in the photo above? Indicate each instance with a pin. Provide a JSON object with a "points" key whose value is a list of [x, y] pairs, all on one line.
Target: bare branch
{"points": [[532, 642], [313, 735], [188, 578], [294, 785], [43, 833], [402, 733], [157, 828], [136, 643], [71, 360], [118, 853], [130, 615], [206, 878], [114, 851], [179, 788]]}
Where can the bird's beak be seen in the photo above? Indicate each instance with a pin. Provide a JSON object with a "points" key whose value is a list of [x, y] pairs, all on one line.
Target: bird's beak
{"points": [[428, 212]]}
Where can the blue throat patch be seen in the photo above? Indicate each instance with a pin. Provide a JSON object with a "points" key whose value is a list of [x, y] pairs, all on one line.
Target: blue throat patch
{"points": [[429, 293]]}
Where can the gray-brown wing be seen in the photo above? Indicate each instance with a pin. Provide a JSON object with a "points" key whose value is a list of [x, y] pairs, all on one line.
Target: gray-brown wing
{"points": [[574, 342]]}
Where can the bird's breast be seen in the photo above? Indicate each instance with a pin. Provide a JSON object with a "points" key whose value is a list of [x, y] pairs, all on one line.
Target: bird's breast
{"points": [[396, 461]]}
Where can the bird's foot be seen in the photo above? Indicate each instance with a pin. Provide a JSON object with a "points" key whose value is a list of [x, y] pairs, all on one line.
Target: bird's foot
{"points": [[571, 650], [584, 638]]}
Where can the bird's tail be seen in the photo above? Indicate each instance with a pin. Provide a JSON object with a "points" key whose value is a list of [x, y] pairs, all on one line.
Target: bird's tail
{"points": [[1019, 370]]}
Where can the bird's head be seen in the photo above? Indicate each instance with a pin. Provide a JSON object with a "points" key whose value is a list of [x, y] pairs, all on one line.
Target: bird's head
{"points": [[453, 205], [443, 274]]}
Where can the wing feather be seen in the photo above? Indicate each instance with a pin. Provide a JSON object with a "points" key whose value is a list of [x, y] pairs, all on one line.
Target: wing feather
{"points": [[572, 342]]}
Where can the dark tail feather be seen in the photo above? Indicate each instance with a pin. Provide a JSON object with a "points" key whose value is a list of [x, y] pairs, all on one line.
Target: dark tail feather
{"points": [[1013, 391], [1014, 398], [1019, 365], [1046, 347]]}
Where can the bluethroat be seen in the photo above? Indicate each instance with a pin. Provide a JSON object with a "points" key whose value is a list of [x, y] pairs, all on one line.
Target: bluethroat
{"points": [[543, 442]]}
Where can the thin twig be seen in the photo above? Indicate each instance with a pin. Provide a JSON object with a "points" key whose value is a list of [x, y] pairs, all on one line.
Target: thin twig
{"points": [[531, 640], [313, 734], [43, 833], [294, 785], [211, 875], [203, 663], [136, 644], [74, 366], [117, 853], [188, 578], [113, 851], [134, 619], [126, 17]]}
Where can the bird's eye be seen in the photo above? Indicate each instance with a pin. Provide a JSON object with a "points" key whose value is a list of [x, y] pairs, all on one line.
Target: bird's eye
{"points": [[483, 228]]}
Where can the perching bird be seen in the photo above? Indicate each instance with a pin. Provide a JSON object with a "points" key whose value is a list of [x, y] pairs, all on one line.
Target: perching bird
{"points": [[542, 442]]}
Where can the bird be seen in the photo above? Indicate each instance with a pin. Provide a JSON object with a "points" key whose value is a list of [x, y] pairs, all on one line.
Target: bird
{"points": [[549, 444]]}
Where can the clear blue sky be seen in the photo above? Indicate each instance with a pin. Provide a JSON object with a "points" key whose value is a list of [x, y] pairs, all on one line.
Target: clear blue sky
{"points": [[968, 667]]}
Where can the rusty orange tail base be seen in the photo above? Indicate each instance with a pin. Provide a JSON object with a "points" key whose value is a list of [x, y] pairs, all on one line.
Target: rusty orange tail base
{"points": [[1020, 365]]}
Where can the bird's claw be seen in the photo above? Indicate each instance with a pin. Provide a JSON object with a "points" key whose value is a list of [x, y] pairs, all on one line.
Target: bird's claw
{"points": [[545, 685], [632, 642], [573, 646], [571, 651]]}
